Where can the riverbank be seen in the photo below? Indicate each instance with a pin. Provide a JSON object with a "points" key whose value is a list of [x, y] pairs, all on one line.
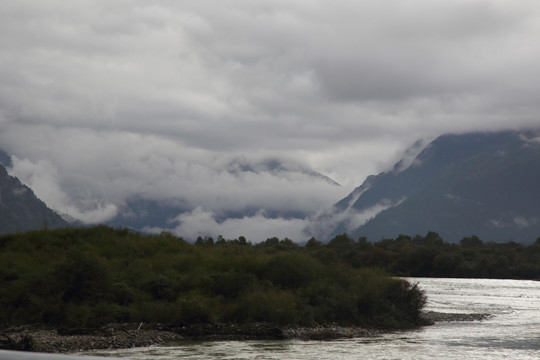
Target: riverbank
{"points": [[120, 336], [53, 341]]}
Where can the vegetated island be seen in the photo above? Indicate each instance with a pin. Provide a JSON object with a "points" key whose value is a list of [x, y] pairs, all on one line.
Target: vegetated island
{"points": [[73, 289]]}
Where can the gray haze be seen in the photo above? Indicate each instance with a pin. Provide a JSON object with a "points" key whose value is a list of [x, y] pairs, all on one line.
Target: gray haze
{"points": [[102, 100]]}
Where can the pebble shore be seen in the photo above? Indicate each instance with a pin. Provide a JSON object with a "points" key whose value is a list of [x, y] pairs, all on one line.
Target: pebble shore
{"points": [[120, 336], [51, 341]]}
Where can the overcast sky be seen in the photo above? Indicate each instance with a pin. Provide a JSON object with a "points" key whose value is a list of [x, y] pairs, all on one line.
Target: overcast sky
{"points": [[103, 99]]}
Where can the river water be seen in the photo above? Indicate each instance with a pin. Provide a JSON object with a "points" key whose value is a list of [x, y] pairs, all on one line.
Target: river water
{"points": [[512, 333]]}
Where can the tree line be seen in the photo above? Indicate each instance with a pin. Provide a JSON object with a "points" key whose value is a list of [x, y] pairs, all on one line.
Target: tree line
{"points": [[431, 256], [417, 256]]}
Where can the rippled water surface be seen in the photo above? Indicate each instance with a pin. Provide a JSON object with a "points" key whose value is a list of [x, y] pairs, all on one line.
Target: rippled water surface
{"points": [[512, 333]]}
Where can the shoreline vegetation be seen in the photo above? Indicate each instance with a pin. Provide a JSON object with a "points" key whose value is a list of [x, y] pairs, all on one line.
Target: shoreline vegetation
{"points": [[72, 283]]}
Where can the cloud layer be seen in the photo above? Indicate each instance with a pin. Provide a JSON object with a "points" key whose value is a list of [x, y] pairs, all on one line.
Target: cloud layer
{"points": [[101, 100]]}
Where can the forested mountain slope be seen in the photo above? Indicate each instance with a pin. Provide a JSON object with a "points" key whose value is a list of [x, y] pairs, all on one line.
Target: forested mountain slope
{"points": [[484, 184], [21, 210]]}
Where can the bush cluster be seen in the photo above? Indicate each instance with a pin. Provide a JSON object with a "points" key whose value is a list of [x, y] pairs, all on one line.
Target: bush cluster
{"points": [[85, 278]]}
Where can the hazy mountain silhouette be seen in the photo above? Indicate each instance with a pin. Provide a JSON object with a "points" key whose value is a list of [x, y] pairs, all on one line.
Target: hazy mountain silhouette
{"points": [[142, 213]]}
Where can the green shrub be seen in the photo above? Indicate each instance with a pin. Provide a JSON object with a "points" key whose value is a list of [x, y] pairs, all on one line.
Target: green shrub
{"points": [[231, 284], [194, 307], [290, 271], [270, 306]]}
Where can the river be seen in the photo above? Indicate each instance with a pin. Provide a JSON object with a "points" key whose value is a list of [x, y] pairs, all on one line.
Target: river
{"points": [[513, 332]]}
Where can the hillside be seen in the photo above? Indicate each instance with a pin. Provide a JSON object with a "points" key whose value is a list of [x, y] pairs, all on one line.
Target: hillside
{"points": [[483, 184], [21, 210]]}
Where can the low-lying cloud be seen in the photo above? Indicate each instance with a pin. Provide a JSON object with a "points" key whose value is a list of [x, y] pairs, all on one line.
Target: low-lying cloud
{"points": [[254, 228], [113, 167]]}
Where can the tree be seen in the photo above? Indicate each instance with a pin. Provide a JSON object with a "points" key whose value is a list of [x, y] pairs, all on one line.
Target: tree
{"points": [[313, 243], [472, 241], [364, 244], [199, 241], [83, 278], [341, 241]]}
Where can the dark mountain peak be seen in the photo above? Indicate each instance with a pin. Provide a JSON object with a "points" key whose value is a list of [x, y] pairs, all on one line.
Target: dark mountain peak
{"points": [[450, 148], [409, 157], [5, 159], [277, 167]]}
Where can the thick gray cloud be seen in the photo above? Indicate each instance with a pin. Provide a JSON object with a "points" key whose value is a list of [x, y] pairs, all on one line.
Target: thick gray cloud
{"points": [[100, 100]]}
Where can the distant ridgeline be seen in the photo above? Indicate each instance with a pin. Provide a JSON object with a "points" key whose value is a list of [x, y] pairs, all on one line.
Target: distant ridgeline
{"points": [[431, 256], [483, 184], [139, 212]]}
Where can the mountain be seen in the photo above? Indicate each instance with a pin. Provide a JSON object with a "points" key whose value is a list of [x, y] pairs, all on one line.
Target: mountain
{"points": [[278, 168], [5, 159], [20, 209], [140, 213], [483, 184]]}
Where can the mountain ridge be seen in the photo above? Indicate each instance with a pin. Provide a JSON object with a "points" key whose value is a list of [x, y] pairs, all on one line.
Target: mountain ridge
{"points": [[21, 210], [482, 184]]}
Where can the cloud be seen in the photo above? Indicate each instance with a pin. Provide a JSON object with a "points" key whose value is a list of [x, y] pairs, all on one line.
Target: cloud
{"points": [[257, 228], [111, 167], [515, 221], [157, 98], [522, 222], [350, 218]]}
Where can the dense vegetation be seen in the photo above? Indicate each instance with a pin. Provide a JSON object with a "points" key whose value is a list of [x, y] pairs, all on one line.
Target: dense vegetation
{"points": [[430, 256], [83, 278]]}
